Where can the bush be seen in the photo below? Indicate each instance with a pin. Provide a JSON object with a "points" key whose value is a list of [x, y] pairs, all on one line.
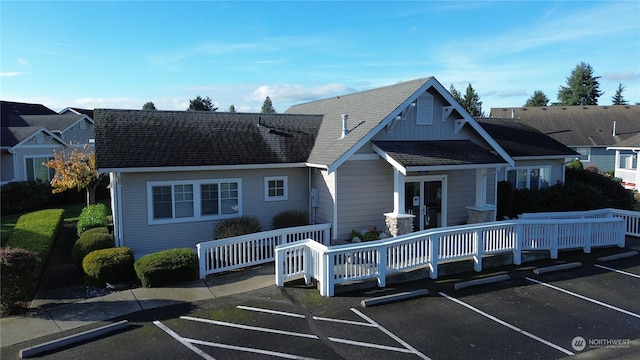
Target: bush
{"points": [[92, 216], [17, 270], [575, 165], [21, 196], [96, 230], [167, 267], [108, 265], [505, 199], [291, 218], [236, 227], [88, 243]]}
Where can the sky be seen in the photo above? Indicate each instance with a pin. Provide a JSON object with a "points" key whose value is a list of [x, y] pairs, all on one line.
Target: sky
{"points": [[122, 54]]}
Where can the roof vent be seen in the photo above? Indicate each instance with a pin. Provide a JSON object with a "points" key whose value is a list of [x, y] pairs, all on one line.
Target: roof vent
{"points": [[345, 119]]}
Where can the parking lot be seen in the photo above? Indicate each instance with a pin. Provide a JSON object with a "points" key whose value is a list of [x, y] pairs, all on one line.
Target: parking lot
{"points": [[591, 308]]}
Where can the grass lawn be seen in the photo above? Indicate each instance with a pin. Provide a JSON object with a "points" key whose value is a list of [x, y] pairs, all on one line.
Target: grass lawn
{"points": [[71, 213]]}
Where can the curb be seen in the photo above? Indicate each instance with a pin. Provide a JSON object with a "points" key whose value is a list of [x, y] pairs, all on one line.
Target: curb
{"points": [[617, 256], [487, 280], [547, 269], [394, 298], [72, 339]]}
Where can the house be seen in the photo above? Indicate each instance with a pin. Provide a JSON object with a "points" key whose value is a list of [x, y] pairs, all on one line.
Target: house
{"points": [[589, 130], [399, 158], [31, 133], [627, 166]]}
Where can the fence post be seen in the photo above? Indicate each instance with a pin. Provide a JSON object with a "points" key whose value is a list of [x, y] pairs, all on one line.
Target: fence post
{"points": [[517, 248], [477, 243], [326, 237], [382, 266], [587, 240], [328, 275], [201, 262], [555, 229], [622, 231], [307, 264], [279, 267], [433, 257]]}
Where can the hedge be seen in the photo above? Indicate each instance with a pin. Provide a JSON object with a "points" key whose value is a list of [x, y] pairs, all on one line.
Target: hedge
{"points": [[17, 268], [92, 216], [167, 267], [89, 242], [237, 227], [290, 218], [37, 232], [112, 265]]}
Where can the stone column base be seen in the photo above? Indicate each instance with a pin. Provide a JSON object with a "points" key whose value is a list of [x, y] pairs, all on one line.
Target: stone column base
{"points": [[399, 224], [480, 214]]}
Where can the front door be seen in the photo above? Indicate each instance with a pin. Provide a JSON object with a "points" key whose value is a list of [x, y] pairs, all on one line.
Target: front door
{"points": [[426, 199]]}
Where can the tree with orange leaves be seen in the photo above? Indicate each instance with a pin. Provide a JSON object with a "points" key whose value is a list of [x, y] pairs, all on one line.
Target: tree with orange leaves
{"points": [[75, 169]]}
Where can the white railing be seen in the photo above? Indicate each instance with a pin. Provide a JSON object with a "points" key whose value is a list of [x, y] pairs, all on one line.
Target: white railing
{"points": [[631, 218], [334, 265], [252, 249]]}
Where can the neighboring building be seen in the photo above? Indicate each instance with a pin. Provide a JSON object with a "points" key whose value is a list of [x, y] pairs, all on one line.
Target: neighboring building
{"points": [[31, 133], [626, 160], [589, 130], [399, 158]]}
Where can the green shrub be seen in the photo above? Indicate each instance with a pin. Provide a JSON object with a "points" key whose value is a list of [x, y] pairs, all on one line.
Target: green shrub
{"points": [[96, 230], [92, 216], [88, 243], [575, 165], [291, 218], [17, 271], [108, 265], [21, 196], [167, 267], [236, 227], [505, 199]]}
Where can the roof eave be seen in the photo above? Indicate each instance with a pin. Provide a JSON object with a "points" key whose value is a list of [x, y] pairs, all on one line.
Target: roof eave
{"points": [[201, 168]]}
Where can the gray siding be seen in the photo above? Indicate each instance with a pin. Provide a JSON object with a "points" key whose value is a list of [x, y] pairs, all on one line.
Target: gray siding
{"points": [[144, 238], [365, 193], [7, 167], [601, 158], [324, 182], [79, 136]]}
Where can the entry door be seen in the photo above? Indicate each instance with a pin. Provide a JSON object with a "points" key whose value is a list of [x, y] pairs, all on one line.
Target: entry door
{"points": [[425, 199]]}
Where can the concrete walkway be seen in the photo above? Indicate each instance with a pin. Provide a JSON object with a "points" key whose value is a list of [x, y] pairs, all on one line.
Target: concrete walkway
{"points": [[50, 316]]}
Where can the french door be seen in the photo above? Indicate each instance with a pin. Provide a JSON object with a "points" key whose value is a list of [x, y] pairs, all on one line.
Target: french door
{"points": [[425, 197]]}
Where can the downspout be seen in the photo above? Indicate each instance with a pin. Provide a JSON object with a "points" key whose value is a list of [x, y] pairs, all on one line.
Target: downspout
{"points": [[335, 204], [116, 207]]}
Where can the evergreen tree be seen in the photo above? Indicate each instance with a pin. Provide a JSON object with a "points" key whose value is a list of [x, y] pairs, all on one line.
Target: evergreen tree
{"points": [[267, 106], [471, 102], [201, 104], [618, 99], [537, 99], [149, 106], [455, 93], [232, 109], [582, 87]]}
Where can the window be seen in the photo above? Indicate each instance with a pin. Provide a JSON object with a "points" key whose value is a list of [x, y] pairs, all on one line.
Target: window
{"points": [[533, 178], [193, 200], [36, 171], [276, 188], [424, 111], [585, 153]]}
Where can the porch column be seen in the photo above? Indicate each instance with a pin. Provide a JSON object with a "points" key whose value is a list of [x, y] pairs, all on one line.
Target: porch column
{"points": [[481, 211], [398, 223]]}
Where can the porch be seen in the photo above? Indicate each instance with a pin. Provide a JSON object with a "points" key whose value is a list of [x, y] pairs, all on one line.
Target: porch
{"points": [[627, 169]]}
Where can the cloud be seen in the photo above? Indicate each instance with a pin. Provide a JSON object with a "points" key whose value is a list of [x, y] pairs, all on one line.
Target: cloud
{"points": [[512, 93], [12, 73], [621, 76], [23, 61], [287, 93]]}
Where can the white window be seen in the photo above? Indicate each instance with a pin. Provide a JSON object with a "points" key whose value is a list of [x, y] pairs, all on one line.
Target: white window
{"points": [[276, 188], [585, 153], [35, 170], [193, 200], [532, 178], [424, 111]]}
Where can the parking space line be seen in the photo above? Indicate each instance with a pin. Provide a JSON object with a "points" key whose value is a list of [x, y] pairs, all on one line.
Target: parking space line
{"points": [[319, 318], [390, 334], [269, 311], [181, 340], [246, 349], [618, 271], [584, 298], [247, 327], [370, 345], [504, 323]]}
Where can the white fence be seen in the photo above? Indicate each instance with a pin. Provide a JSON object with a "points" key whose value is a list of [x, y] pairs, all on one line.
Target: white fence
{"points": [[252, 249], [334, 265]]}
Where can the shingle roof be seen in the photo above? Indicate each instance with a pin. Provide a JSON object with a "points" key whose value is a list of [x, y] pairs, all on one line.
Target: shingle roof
{"points": [[54, 122], [10, 112], [366, 109], [438, 153], [11, 136], [521, 140], [630, 142], [579, 125], [138, 139]]}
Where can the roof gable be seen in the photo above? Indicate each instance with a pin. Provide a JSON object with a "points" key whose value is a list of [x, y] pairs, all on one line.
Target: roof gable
{"points": [[145, 139], [56, 122], [12, 137], [584, 126]]}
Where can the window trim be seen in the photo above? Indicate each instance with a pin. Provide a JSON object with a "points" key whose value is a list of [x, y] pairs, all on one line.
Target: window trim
{"points": [[588, 155], [197, 201], [547, 169], [51, 172], [285, 185]]}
